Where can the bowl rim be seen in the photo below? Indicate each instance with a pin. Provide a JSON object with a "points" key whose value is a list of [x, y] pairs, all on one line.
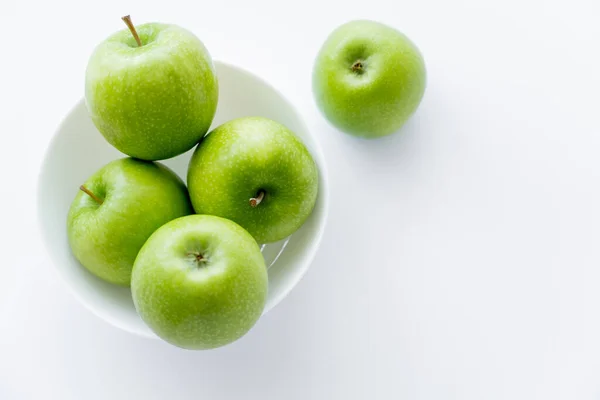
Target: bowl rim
{"points": [[314, 245]]}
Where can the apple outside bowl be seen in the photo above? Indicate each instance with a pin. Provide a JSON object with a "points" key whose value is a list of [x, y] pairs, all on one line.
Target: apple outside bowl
{"points": [[77, 150]]}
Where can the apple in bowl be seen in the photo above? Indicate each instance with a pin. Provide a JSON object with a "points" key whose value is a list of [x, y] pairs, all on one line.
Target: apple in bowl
{"points": [[200, 282], [116, 211], [256, 172], [151, 90]]}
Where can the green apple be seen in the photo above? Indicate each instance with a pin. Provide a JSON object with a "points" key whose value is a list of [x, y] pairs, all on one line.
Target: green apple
{"points": [[117, 210], [200, 282], [257, 173], [156, 99], [368, 79]]}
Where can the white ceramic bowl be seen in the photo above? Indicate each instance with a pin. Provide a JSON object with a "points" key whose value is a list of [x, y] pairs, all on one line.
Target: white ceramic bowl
{"points": [[78, 150]]}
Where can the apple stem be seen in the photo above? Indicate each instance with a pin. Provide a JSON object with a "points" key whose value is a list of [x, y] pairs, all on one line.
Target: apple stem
{"points": [[255, 201], [357, 66], [92, 195], [127, 20], [197, 259], [197, 256]]}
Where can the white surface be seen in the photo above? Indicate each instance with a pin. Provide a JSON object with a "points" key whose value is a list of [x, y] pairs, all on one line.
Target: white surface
{"points": [[78, 144], [461, 258]]}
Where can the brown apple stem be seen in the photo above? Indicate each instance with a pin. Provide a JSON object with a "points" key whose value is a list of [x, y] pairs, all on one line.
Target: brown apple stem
{"points": [[357, 66], [127, 20], [199, 257], [92, 195], [255, 201]]}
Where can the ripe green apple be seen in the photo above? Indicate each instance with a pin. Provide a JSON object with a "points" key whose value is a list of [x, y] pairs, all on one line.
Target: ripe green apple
{"points": [[154, 100], [257, 173], [368, 79], [117, 209], [200, 282]]}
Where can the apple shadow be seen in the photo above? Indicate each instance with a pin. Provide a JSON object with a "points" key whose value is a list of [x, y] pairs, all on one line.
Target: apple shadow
{"points": [[388, 151]]}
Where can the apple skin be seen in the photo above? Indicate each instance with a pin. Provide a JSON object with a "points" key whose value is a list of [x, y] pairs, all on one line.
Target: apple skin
{"points": [[237, 160], [138, 197], [377, 97], [156, 101], [202, 304]]}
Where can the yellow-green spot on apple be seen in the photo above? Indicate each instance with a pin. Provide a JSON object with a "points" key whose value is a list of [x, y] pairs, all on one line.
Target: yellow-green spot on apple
{"points": [[368, 79], [116, 211], [200, 282], [151, 90], [256, 172]]}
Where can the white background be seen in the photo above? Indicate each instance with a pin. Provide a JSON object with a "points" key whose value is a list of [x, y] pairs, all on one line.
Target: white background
{"points": [[461, 258]]}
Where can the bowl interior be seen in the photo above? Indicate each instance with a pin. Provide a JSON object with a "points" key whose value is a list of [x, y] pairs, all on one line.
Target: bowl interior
{"points": [[78, 150]]}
